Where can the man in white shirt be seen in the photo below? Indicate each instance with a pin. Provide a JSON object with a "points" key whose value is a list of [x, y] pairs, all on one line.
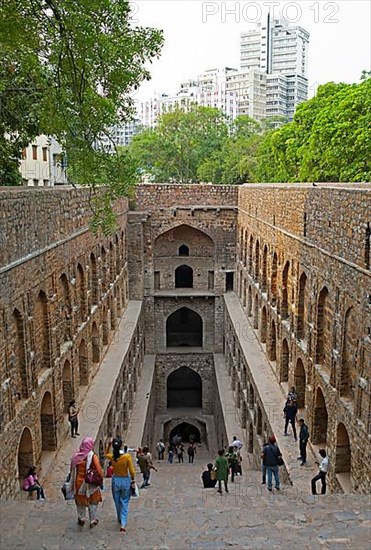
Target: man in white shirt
{"points": [[236, 443], [323, 469]]}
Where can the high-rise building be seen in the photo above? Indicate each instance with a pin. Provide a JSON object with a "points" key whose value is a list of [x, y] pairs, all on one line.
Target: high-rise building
{"points": [[280, 51], [209, 89]]}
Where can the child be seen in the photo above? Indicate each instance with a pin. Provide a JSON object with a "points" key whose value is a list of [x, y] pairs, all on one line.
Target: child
{"points": [[170, 455]]}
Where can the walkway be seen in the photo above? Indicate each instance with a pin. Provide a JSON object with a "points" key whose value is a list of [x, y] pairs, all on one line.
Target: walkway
{"points": [[176, 513]]}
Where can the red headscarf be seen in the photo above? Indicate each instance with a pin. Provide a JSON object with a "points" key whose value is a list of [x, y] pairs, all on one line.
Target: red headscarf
{"points": [[79, 456]]}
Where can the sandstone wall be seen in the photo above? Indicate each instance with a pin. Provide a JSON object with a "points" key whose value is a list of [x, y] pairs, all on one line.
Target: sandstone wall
{"points": [[63, 290], [304, 280]]}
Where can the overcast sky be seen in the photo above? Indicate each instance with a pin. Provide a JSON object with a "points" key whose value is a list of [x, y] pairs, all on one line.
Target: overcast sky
{"points": [[206, 34]]}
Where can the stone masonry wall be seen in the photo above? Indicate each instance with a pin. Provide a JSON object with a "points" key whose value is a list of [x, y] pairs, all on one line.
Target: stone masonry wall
{"points": [[304, 281], [62, 292], [203, 364]]}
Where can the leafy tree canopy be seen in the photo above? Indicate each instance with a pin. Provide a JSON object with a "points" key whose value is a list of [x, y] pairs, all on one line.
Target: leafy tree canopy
{"points": [[68, 69]]}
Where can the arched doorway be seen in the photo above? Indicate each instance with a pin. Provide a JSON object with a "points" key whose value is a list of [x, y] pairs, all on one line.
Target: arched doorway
{"points": [[319, 435], [285, 358], [323, 336], [263, 326], [272, 347], [285, 282], [301, 318], [300, 382], [274, 279], [48, 441], [83, 364], [95, 343], [343, 456], [184, 388], [185, 430], [184, 329], [67, 385], [184, 277], [105, 326], [25, 453]]}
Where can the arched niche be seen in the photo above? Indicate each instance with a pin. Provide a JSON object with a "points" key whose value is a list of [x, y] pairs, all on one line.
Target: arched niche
{"points": [[184, 388], [169, 243], [47, 420], [25, 453], [184, 277], [184, 329]]}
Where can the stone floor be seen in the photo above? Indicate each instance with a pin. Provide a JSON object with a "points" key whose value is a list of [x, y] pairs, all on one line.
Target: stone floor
{"points": [[176, 513]]}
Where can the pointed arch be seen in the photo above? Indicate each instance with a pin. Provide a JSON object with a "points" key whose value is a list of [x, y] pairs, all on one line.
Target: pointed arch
{"points": [[265, 269], [93, 279], [184, 388], [323, 336], [81, 294], [184, 328], [272, 353], [348, 371], [41, 333], [67, 388], [25, 453], [301, 316], [257, 253], [320, 420], [263, 326], [83, 364], [47, 421], [95, 343], [183, 250], [274, 279], [300, 382], [343, 453], [285, 291], [285, 361]]}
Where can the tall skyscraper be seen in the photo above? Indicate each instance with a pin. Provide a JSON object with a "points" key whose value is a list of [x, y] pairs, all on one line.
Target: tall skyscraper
{"points": [[279, 50]]}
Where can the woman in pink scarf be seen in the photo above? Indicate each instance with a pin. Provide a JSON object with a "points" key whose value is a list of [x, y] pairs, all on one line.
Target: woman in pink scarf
{"points": [[86, 495]]}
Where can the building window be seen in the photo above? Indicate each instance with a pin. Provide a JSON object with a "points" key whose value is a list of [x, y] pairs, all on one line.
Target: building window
{"points": [[45, 154], [34, 152], [24, 153], [36, 183], [46, 183]]}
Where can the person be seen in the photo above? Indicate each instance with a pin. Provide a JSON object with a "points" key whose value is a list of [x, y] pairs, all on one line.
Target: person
{"points": [[170, 455], [206, 477], [123, 480], [270, 456], [31, 484], [145, 465], [303, 441], [264, 466], [232, 458], [289, 413], [73, 418], [87, 496], [221, 465], [323, 469], [236, 443], [292, 395], [191, 452], [160, 448], [179, 452], [109, 472]]}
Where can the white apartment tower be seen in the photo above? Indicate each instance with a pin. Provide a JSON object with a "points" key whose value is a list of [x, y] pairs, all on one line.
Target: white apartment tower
{"points": [[281, 52]]}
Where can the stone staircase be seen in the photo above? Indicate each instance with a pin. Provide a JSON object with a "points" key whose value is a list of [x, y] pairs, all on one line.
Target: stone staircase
{"points": [[177, 513]]}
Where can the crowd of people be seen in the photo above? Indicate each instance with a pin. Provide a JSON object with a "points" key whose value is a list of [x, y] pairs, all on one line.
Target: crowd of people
{"points": [[85, 481]]}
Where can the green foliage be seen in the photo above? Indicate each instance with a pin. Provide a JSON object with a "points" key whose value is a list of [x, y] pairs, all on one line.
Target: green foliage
{"points": [[68, 69], [235, 163], [328, 140], [181, 141]]}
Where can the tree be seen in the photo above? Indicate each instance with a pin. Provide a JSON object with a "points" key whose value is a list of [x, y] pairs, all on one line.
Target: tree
{"points": [[235, 163], [68, 69], [328, 140], [181, 141]]}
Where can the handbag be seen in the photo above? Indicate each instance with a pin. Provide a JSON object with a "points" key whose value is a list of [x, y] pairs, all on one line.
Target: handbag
{"points": [[92, 477], [134, 491], [280, 461], [67, 490]]}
